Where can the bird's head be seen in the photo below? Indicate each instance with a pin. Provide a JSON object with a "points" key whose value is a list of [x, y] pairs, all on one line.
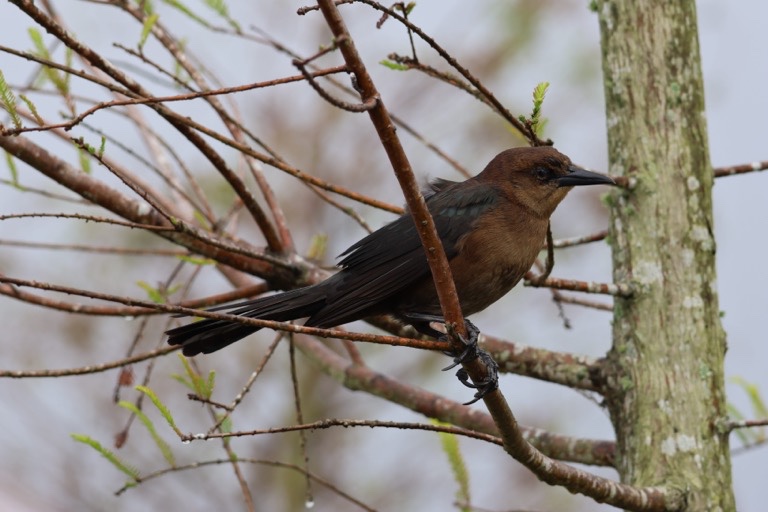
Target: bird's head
{"points": [[538, 178]]}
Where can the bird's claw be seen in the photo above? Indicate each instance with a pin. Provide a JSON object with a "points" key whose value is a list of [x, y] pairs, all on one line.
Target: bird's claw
{"points": [[470, 353], [485, 386]]}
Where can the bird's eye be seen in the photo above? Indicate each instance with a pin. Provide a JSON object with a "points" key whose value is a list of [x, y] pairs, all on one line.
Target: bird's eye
{"points": [[543, 174]]}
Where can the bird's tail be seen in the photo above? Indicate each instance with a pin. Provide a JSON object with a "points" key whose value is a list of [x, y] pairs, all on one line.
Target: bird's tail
{"points": [[210, 335]]}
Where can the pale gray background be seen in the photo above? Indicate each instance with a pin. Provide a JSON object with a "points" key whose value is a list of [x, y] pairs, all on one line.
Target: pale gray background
{"points": [[42, 469]]}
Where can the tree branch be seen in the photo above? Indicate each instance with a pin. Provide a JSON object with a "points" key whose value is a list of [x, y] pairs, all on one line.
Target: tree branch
{"points": [[361, 378]]}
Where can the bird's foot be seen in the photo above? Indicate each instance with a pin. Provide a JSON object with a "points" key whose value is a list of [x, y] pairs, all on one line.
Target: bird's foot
{"points": [[485, 386], [470, 353], [471, 349]]}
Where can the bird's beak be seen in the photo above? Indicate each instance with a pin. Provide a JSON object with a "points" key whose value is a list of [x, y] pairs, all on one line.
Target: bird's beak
{"points": [[577, 176]]}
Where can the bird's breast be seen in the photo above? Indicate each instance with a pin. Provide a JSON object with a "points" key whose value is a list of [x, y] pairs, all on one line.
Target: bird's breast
{"points": [[494, 256]]}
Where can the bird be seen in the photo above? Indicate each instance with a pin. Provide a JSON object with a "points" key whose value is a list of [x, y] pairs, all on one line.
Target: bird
{"points": [[492, 227]]}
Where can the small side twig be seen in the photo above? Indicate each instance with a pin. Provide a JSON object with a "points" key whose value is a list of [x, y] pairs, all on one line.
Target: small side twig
{"points": [[490, 98], [616, 289], [87, 370], [566, 299], [249, 384], [271, 463], [580, 240], [301, 65], [733, 170], [550, 261], [218, 405], [282, 326], [347, 423], [735, 424], [299, 417]]}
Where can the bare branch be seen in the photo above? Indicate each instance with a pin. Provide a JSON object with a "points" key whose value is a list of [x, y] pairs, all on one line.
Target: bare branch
{"points": [[306, 75], [526, 131], [735, 424], [213, 157], [438, 263], [282, 326], [572, 370], [347, 423], [86, 370], [616, 289], [272, 463], [733, 170], [580, 240], [565, 299], [361, 378]]}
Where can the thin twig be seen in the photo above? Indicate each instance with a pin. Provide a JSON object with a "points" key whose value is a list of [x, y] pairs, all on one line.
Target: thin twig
{"points": [[399, 121], [299, 417], [733, 170], [734, 424], [87, 218], [272, 463], [438, 263], [580, 240], [477, 84], [567, 299], [616, 289], [121, 251], [347, 423], [134, 88], [282, 326], [306, 75], [87, 370], [249, 383], [365, 106]]}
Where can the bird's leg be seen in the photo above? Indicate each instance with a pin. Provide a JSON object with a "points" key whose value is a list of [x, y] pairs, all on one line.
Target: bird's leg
{"points": [[470, 353]]}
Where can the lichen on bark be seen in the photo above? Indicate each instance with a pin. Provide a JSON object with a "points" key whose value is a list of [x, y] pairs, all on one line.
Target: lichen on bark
{"points": [[666, 364]]}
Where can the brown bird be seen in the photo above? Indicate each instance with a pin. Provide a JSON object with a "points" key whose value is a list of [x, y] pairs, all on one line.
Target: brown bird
{"points": [[492, 227]]}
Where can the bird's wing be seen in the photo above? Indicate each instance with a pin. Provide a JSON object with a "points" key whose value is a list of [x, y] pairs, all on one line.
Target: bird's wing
{"points": [[392, 259], [437, 185]]}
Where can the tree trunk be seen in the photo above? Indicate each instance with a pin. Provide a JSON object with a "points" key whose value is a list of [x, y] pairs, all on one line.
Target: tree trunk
{"points": [[665, 369]]}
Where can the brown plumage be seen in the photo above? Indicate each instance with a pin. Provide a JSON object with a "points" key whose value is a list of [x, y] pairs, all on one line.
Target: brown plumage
{"points": [[492, 227]]}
